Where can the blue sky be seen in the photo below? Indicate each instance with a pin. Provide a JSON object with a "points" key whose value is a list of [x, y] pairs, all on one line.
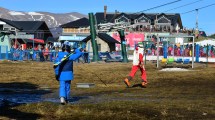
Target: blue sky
{"points": [[206, 16]]}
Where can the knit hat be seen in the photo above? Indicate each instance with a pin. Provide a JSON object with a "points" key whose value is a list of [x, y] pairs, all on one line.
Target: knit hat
{"points": [[66, 43], [66, 47]]}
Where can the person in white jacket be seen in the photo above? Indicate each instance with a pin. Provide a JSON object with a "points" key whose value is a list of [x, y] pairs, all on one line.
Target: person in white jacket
{"points": [[137, 64]]}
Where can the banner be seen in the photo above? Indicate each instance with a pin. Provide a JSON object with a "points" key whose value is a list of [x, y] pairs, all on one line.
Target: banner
{"points": [[130, 38]]}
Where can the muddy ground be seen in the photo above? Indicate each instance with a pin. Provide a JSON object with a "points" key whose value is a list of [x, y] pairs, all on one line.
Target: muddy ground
{"points": [[28, 90]]}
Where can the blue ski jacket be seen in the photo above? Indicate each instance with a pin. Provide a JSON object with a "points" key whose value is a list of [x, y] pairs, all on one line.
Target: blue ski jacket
{"points": [[64, 71]]}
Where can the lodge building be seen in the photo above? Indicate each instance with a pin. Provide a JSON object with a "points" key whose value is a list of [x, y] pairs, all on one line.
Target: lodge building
{"points": [[25, 33], [143, 22], [132, 23]]}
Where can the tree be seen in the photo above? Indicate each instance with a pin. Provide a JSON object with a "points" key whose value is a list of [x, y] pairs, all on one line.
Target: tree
{"points": [[212, 36]]}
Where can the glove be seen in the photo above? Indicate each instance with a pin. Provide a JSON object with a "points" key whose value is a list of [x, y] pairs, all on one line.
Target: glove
{"points": [[57, 77], [77, 50]]}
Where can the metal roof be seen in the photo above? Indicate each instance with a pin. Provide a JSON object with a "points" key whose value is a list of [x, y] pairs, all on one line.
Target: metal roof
{"points": [[83, 22], [105, 37]]}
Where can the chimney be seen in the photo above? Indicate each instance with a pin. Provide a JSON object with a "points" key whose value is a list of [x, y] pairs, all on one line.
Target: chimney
{"points": [[116, 12], [105, 12]]}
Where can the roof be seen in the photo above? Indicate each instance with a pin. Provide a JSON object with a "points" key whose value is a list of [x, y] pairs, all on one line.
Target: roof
{"points": [[105, 37], [110, 17], [142, 14], [100, 17], [25, 41], [9, 22], [28, 26], [83, 22], [37, 40]]}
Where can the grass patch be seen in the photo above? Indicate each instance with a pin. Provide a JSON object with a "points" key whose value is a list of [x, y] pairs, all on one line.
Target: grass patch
{"points": [[169, 95]]}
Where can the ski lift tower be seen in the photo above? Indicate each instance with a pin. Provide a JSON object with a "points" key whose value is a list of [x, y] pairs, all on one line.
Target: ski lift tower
{"points": [[93, 37], [123, 43]]}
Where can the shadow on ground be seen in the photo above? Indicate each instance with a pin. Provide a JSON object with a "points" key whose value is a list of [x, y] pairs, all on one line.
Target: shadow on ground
{"points": [[17, 93], [8, 112]]}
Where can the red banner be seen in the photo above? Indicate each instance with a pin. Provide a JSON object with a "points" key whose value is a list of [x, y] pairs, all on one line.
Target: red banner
{"points": [[131, 38]]}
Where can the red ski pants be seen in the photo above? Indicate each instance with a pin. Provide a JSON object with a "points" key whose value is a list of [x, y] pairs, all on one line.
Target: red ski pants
{"points": [[134, 70]]}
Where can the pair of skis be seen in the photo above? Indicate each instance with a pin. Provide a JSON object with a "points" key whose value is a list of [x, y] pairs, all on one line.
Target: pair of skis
{"points": [[62, 60]]}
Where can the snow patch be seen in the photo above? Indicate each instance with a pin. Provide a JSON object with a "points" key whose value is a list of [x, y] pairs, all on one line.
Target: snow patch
{"points": [[205, 42], [2, 23], [41, 17], [74, 17], [32, 17], [34, 13], [16, 13], [54, 21], [174, 69]]}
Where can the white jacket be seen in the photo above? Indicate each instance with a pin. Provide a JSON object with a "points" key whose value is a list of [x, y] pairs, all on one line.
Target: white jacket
{"points": [[136, 59]]}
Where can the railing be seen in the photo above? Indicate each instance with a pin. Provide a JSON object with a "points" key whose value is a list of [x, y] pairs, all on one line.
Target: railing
{"points": [[42, 56], [29, 55], [25, 55], [36, 55]]}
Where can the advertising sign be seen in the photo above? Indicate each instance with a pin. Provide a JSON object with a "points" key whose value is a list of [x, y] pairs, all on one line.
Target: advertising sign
{"points": [[130, 38], [72, 38]]}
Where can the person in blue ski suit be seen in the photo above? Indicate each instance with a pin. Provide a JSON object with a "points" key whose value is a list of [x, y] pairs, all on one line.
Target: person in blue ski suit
{"points": [[64, 71]]}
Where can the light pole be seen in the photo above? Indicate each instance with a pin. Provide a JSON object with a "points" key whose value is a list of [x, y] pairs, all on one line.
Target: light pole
{"points": [[93, 37], [197, 24], [145, 43]]}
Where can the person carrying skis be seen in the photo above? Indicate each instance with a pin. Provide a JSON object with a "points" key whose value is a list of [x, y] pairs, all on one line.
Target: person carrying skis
{"points": [[64, 70]]}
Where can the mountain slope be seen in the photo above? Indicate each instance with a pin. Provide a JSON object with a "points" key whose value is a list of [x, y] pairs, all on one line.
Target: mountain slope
{"points": [[53, 20]]}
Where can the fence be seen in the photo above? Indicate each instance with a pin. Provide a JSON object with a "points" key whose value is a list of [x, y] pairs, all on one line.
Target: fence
{"points": [[36, 55], [25, 55], [22, 55]]}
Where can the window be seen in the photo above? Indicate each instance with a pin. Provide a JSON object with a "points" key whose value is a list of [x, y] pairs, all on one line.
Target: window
{"points": [[12, 29], [99, 47], [163, 19], [6, 29], [143, 20], [122, 19], [1, 27], [39, 35]]}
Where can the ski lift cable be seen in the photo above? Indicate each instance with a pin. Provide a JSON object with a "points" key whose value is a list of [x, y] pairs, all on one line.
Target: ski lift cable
{"points": [[195, 9], [159, 6], [183, 5], [46, 31], [198, 8]]}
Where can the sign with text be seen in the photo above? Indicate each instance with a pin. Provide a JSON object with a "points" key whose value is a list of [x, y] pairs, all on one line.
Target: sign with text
{"points": [[72, 38], [131, 38]]}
